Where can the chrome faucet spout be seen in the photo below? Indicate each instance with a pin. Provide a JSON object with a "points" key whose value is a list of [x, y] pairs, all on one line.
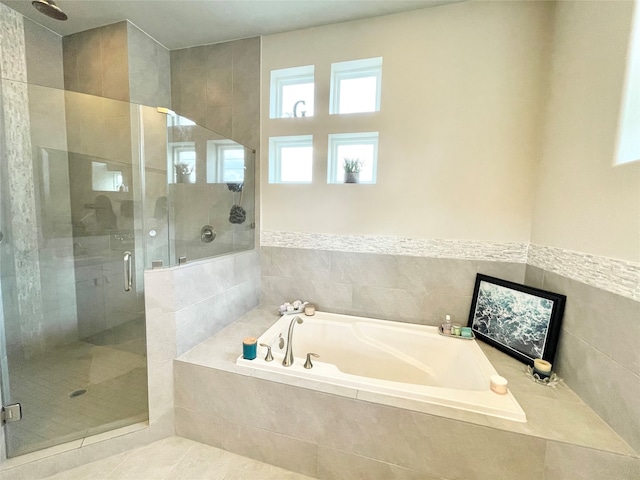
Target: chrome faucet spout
{"points": [[287, 361]]}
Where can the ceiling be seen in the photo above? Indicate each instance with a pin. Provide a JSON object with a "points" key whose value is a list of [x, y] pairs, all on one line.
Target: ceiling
{"points": [[185, 23]]}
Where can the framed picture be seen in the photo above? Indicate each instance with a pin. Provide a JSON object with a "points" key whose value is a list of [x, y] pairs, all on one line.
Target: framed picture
{"points": [[522, 321]]}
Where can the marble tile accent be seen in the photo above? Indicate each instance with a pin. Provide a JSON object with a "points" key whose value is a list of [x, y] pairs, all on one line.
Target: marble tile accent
{"points": [[616, 276], [461, 249], [12, 45], [18, 146]]}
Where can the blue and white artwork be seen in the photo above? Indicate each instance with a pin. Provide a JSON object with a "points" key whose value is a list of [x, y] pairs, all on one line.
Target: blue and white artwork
{"points": [[515, 319]]}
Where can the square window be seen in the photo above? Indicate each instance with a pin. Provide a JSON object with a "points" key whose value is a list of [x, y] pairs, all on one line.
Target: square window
{"points": [[361, 148], [292, 91], [291, 159], [225, 161], [356, 86], [182, 162]]}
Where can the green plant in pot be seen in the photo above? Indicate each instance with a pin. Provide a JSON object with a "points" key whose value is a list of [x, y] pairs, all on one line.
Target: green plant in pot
{"points": [[183, 172], [352, 167]]}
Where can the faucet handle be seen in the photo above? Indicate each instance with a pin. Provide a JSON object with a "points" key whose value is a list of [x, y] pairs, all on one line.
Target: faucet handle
{"points": [[308, 363], [269, 357]]}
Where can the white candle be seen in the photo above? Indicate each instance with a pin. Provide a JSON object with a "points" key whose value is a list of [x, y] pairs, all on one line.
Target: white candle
{"points": [[499, 384], [542, 365]]}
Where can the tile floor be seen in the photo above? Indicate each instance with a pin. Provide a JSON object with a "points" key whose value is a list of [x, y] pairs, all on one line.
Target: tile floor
{"points": [[176, 458], [111, 371]]}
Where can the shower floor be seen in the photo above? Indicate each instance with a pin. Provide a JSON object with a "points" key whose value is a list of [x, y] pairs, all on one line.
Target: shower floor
{"points": [[50, 388]]}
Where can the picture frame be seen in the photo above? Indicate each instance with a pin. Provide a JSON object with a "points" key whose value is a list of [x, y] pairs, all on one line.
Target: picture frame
{"points": [[521, 321]]}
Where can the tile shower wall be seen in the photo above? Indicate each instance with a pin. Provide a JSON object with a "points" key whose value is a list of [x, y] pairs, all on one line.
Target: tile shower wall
{"points": [[598, 353], [186, 305], [394, 287], [218, 87], [118, 61], [25, 297]]}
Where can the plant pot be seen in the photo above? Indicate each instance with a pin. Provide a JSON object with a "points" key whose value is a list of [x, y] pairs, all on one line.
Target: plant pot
{"points": [[350, 177], [183, 178]]}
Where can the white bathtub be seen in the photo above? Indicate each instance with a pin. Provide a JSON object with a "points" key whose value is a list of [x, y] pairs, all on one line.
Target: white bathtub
{"points": [[399, 359]]}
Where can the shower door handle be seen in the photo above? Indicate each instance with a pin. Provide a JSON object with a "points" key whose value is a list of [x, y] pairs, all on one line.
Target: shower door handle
{"points": [[127, 271]]}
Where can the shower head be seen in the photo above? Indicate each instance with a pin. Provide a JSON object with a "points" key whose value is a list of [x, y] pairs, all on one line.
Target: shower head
{"points": [[49, 8]]}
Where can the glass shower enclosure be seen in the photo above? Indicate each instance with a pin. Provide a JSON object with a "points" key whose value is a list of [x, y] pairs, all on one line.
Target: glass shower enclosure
{"points": [[102, 190]]}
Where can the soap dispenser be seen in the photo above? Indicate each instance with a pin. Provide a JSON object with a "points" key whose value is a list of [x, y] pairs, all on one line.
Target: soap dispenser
{"points": [[446, 326]]}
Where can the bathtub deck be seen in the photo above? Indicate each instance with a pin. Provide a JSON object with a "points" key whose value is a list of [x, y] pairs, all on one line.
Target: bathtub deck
{"points": [[555, 415]]}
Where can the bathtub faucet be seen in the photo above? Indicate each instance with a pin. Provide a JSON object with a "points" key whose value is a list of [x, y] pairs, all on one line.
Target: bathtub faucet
{"points": [[288, 354]]}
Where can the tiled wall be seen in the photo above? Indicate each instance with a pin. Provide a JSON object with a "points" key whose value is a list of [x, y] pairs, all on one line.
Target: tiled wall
{"points": [[395, 287], [118, 61], [95, 62], [333, 437], [186, 305], [598, 353], [218, 87], [149, 69]]}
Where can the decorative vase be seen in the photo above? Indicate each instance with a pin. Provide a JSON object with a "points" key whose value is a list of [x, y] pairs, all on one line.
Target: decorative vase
{"points": [[351, 177], [183, 178]]}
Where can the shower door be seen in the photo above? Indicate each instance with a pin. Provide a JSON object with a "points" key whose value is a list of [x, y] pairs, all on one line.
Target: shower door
{"points": [[71, 271]]}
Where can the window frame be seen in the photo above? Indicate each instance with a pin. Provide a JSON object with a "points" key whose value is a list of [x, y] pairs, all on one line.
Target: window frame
{"points": [[335, 140], [276, 144], [283, 77], [352, 69]]}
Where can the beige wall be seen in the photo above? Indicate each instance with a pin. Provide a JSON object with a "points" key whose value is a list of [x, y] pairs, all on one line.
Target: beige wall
{"points": [[583, 202], [462, 90]]}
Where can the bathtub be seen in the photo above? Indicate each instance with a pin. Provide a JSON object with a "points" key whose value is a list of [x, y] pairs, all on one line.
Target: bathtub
{"points": [[400, 359]]}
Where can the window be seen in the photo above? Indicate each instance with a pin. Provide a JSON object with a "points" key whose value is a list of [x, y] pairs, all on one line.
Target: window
{"points": [[355, 86], [628, 147], [182, 162], [225, 161], [362, 147], [292, 91], [291, 159]]}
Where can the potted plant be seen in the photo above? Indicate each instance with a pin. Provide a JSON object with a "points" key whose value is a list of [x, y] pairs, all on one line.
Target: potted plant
{"points": [[183, 172], [352, 167]]}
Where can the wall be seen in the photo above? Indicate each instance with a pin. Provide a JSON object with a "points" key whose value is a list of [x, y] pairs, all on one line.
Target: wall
{"points": [[538, 162], [586, 224], [118, 61], [583, 203], [186, 305], [218, 86], [394, 287], [459, 120]]}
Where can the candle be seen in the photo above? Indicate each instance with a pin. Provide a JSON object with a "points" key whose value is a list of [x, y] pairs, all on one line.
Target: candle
{"points": [[456, 328], [249, 348], [541, 367], [309, 309], [498, 384]]}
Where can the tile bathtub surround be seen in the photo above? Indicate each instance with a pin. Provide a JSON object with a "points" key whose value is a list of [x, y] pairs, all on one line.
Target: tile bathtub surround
{"points": [[394, 287], [184, 306], [598, 353], [337, 429]]}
